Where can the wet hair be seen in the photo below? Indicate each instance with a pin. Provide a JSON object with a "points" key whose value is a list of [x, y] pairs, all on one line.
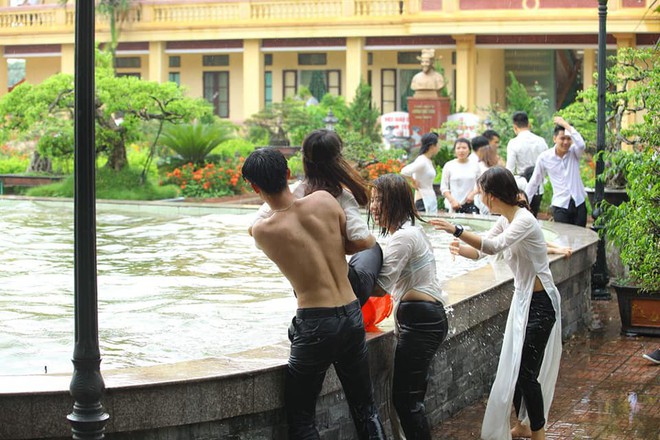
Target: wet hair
{"points": [[490, 134], [428, 140], [326, 169], [465, 141], [267, 169], [524, 200], [520, 119], [478, 142], [487, 155], [500, 183], [396, 201]]}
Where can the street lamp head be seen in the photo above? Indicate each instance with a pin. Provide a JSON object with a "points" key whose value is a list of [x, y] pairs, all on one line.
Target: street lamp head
{"points": [[330, 121]]}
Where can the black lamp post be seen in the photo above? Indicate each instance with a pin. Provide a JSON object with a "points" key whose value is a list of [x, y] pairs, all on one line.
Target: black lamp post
{"points": [[599, 274], [88, 418]]}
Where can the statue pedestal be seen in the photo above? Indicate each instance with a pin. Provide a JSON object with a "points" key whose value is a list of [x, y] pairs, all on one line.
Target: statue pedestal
{"points": [[427, 113]]}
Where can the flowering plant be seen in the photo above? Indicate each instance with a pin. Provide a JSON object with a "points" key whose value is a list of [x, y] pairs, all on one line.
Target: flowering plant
{"points": [[377, 169], [211, 180]]}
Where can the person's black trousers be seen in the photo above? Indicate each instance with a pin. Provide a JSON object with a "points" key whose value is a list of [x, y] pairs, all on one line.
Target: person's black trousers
{"points": [[363, 268], [422, 328], [535, 204], [539, 325], [574, 215], [321, 337]]}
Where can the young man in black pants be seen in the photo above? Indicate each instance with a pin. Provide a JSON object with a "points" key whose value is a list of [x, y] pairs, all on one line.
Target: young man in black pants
{"points": [[305, 238]]}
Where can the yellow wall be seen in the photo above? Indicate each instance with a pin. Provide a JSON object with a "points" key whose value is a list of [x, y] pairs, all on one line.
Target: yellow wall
{"points": [[490, 79], [39, 69]]}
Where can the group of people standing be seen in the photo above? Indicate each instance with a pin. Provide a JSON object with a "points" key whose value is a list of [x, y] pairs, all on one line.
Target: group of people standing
{"points": [[528, 158], [308, 230]]}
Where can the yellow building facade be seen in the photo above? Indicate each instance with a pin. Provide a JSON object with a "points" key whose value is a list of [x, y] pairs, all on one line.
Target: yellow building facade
{"points": [[242, 55]]}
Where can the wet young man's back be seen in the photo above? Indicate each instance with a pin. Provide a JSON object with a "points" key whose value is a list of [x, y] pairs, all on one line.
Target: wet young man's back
{"points": [[305, 238]]}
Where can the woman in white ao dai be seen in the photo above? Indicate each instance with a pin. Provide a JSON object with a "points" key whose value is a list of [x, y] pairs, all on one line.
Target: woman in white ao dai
{"points": [[531, 349]]}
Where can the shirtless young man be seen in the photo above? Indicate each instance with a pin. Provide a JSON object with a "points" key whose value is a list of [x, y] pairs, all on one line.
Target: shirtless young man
{"points": [[305, 238]]}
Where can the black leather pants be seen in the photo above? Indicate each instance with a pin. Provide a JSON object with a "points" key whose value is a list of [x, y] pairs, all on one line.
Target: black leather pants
{"points": [[363, 268], [539, 325], [422, 328], [321, 337]]}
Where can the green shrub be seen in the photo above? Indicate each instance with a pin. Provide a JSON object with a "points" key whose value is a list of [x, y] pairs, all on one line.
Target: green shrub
{"points": [[111, 185], [229, 149], [193, 142], [296, 166], [634, 226], [13, 165]]}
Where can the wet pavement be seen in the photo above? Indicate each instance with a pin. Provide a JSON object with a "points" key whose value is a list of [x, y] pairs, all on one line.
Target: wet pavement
{"points": [[605, 389]]}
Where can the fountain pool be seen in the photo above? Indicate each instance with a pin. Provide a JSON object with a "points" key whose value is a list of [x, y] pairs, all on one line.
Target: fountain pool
{"points": [[172, 285]]}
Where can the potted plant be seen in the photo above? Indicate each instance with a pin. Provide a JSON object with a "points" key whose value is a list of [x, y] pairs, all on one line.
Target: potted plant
{"points": [[630, 96], [634, 227]]}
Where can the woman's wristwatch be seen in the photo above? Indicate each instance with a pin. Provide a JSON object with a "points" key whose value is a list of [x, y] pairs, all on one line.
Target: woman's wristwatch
{"points": [[458, 231]]}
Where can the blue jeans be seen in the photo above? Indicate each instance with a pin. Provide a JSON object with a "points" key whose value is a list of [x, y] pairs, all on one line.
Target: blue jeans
{"points": [[320, 337]]}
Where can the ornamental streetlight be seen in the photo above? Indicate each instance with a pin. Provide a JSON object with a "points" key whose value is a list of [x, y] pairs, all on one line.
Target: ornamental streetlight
{"points": [[88, 418], [330, 121], [599, 274]]}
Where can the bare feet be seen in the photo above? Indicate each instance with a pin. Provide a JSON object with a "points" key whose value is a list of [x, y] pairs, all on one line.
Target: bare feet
{"points": [[521, 431], [538, 435]]}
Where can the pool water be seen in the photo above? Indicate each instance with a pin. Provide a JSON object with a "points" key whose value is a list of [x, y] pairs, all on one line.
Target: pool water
{"points": [[171, 287]]}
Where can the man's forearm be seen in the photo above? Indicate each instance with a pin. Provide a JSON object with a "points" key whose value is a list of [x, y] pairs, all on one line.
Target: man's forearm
{"points": [[353, 246]]}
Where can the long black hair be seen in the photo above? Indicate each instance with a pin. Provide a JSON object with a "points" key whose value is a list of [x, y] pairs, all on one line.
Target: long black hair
{"points": [[428, 140], [326, 169], [499, 182], [396, 202]]}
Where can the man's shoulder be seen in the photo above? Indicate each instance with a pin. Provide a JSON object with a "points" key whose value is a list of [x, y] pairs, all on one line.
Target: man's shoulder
{"points": [[514, 141], [539, 139], [320, 196], [320, 199]]}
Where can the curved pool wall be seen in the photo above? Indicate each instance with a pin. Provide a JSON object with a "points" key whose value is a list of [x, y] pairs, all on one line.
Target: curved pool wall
{"points": [[240, 396]]}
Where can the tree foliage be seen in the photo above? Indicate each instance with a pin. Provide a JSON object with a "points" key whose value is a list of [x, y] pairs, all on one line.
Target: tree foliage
{"points": [[632, 110], [123, 104], [518, 98], [362, 116], [634, 226]]}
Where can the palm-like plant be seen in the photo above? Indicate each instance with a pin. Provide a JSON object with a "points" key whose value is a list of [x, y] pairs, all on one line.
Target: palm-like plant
{"points": [[194, 142]]}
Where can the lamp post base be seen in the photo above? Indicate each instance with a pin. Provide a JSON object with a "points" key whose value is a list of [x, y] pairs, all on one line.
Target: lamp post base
{"points": [[601, 294]]}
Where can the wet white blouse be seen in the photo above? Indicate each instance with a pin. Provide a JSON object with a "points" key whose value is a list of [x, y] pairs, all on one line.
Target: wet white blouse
{"points": [[356, 226], [423, 171], [460, 179], [409, 264], [525, 252]]}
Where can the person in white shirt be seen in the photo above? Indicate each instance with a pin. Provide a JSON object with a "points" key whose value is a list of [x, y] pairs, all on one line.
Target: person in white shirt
{"points": [[521, 154], [531, 349], [421, 173], [459, 179], [409, 275], [562, 166]]}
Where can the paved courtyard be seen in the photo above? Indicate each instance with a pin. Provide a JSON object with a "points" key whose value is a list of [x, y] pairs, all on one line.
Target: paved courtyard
{"points": [[605, 390]]}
